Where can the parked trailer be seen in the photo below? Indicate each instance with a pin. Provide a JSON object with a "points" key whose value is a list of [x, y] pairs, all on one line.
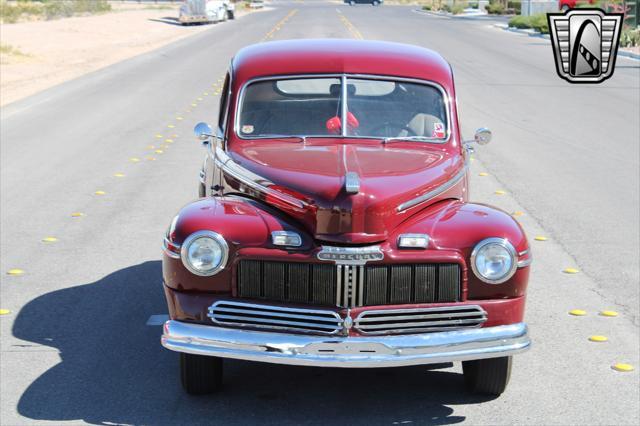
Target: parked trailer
{"points": [[202, 12]]}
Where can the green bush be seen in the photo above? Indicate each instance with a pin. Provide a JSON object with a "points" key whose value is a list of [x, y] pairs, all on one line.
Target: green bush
{"points": [[50, 9], [457, 9], [473, 4], [445, 7], [426, 7], [495, 9], [536, 22], [630, 37]]}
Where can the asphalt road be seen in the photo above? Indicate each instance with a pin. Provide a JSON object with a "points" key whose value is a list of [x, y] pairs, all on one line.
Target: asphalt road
{"points": [[76, 347]]}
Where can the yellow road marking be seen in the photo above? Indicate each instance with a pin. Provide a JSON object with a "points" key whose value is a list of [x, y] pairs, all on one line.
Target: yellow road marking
{"points": [[500, 192], [119, 175], [598, 338], [483, 174], [540, 238], [622, 367], [49, 239], [570, 271], [77, 214], [609, 313], [4, 312], [134, 159], [577, 312], [15, 272]]}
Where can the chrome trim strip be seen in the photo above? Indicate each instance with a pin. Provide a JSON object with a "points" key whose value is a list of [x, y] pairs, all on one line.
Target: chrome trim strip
{"points": [[437, 191], [525, 262], [344, 351], [252, 180], [343, 114], [445, 96], [165, 247], [350, 255]]}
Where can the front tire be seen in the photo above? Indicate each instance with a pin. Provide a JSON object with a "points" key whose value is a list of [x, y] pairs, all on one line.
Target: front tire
{"points": [[200, 374], [487, 376]]}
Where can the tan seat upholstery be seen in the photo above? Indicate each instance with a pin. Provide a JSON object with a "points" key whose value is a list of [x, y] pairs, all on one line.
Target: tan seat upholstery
{"points": [[422, 125]]}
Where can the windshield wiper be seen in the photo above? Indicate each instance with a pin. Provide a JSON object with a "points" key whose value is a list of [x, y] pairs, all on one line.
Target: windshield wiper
{"points": [[302, 139], [408, 139]]}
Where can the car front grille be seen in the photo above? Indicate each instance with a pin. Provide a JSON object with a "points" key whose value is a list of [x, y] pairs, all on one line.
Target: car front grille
{"points": [[238, 314], [348, 285], [420, 320]]}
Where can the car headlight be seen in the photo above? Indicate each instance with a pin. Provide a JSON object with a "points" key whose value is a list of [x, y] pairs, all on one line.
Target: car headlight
{"points": [[204, 253], [494, 260]]}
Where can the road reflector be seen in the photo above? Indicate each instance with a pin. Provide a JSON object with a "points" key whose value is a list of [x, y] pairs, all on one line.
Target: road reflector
{"points": [[15, 272], [4, 312], [49, 239], [171, 126], [77, 214], [100, 193], [158, 136], [193, 105], [483, 174], [609, 313], [168, 140], [158, 151], [151, 158], [540, 238], [570, 271], [179, 118], [134, 159], [622, 367], [517, 213], [500, 192], [577, 312], [151, 147], [598, 338], [119, 175]]}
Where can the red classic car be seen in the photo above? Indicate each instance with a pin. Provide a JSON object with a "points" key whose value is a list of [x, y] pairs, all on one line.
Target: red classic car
{"points": [[334, 227]]}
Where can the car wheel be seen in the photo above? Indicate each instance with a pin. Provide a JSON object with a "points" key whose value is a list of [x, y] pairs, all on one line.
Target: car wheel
{"points": [[202, 191], [200, 374], [230, 14], [375, 2], [487, 376]]}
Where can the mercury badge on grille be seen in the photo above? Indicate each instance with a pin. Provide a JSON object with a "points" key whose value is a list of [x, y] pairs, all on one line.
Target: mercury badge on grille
{"points": [[350, 255]]}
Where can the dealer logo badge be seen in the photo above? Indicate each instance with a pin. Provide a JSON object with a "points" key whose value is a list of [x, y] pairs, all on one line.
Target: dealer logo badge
{"points": [[585, 44]]}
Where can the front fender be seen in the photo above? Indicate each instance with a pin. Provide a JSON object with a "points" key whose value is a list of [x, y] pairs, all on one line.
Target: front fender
{"points": [[243, 224], [458, 226]]}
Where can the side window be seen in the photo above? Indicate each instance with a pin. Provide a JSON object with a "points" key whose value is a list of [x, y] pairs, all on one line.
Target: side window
{"points": [[224, 104]]}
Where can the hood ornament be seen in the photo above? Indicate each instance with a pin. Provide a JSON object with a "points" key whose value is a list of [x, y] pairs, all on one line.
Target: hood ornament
{"points": [[352, 183]]}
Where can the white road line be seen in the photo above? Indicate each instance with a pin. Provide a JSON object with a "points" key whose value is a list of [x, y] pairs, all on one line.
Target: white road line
{"points": [[157, 319]]}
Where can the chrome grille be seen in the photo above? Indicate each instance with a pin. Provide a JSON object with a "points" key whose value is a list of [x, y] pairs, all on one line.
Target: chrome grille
{"points": [[239, 314], [348, 285], [420, 320]]}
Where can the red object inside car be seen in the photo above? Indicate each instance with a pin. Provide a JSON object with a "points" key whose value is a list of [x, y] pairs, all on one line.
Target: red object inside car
{"points": [[334, 124]]}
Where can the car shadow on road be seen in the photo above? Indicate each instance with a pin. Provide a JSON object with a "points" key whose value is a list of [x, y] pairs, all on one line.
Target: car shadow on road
{"points": [[113, 370], [172, 20]]}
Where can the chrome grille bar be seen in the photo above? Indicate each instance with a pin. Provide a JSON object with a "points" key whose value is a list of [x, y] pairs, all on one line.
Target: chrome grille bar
{"points": [[417, 320], [239, 314]]}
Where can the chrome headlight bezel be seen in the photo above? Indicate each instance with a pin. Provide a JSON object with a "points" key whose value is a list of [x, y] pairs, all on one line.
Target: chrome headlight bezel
{"points": [[219, 239], [504, 243]]}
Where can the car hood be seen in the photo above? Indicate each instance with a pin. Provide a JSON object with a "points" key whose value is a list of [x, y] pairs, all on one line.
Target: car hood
{"points": [[389, 176]]}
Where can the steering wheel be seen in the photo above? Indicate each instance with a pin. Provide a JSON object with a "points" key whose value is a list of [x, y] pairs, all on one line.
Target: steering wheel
{"points": [[388, 126]]}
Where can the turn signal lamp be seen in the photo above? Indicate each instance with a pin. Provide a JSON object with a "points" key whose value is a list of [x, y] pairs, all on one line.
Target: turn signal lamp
{"points": [[413, 241], [286, 238]]}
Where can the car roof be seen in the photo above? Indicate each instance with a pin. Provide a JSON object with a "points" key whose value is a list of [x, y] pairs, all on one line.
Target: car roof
{"points": [[338, 56]]}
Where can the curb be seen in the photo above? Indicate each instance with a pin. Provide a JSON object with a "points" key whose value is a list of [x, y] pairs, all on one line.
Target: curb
{"points": [[534, 33]]}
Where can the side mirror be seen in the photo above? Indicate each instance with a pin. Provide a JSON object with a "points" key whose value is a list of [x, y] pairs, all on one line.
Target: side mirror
{"points": [[482, 136], [203, 131]]}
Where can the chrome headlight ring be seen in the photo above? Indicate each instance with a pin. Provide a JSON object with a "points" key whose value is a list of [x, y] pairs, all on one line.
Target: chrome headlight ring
{"points": [[217, 239], [508, 247]]}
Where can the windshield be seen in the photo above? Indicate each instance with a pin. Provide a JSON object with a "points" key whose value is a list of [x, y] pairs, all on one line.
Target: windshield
{"points": [[371, 108]]}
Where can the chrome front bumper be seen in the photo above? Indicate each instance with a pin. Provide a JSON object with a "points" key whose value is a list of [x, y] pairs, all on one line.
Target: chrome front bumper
{"points": [[335, 351]]}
